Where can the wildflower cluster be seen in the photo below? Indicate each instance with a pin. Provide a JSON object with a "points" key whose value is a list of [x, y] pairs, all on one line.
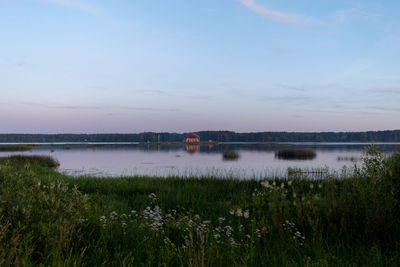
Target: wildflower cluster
{"points": [[290, 227], [223, 231], [239, 213]]}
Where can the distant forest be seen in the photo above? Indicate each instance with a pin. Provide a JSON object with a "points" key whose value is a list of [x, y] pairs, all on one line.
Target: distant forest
{"points": [[220, 136]]}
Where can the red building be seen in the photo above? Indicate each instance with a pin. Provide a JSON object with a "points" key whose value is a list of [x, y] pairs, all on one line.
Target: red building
{"points": [[192, 138]]}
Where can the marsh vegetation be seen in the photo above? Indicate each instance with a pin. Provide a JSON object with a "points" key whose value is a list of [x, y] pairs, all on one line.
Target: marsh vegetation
{"points": [[51, 219], [296, 154], [39, 160], [230, 155]]}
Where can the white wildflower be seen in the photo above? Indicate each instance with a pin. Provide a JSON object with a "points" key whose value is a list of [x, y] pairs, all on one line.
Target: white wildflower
{"points": [[239, 212], [246, 214]]}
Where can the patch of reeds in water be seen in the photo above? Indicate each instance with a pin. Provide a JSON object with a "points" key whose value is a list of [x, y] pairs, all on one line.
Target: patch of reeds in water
{"points": [[12, 148], [295, 154], [94, 145], [352, 159], [230, 155], [307, 173], [44, 161]]}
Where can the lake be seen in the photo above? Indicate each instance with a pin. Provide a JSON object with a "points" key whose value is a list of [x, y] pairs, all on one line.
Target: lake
{"points": [[256, 160]]}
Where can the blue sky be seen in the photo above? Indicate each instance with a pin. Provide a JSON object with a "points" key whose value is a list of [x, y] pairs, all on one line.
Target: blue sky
{"points": [[84, 66]]}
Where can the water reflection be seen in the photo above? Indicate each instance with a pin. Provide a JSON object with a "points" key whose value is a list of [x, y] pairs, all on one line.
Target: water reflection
{"points": [[191, 149], [255, 161]]}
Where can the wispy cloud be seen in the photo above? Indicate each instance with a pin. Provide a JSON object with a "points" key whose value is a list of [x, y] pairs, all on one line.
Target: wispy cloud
{"points": [[278, 16], [339, 17], [355, 12], [391, 109], [101, 107], [382, 90], [84, 7]]}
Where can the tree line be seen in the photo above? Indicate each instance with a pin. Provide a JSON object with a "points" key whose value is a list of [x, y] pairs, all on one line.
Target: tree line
{"points": [[219, 136]]}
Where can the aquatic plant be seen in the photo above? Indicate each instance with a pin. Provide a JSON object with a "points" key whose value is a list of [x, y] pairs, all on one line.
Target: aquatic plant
{"points": [[230, 155], [296, 154]]}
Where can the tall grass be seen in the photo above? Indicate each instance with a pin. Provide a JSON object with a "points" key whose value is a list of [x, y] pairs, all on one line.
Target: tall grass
{"points": [[44, 161], [57, 220]]}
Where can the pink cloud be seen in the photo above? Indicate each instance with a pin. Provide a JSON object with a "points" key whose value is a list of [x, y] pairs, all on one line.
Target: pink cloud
{"points": [[277, 16]]}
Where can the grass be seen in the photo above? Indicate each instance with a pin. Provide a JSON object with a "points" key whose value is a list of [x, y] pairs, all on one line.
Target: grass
{"points": [[296, 154], [12, 148], [50, 219], [43, 161]]}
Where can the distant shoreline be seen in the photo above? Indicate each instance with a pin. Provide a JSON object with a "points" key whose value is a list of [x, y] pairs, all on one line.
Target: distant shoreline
{"points": [[205, 137], [197, 143]]}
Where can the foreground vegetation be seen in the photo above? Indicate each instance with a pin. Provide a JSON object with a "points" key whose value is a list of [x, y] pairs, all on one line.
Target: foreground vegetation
{"points": [[47, 218]]}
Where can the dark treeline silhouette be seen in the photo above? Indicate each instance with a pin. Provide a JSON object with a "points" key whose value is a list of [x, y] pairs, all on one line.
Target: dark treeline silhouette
{"points": [[220, 136]]}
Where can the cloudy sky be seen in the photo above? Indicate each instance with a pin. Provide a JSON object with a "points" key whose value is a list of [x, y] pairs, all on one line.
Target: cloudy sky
{"points": [[85, 66]]}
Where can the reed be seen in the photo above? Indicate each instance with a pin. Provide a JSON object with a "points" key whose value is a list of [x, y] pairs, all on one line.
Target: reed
{"points": [[43, 161]]}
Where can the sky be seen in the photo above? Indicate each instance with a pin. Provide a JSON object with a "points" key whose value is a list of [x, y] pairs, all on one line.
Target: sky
{"points": [[85, 66]]}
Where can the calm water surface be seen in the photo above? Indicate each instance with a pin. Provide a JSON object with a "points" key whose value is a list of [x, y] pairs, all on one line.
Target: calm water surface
{"points": [[255, 160]]}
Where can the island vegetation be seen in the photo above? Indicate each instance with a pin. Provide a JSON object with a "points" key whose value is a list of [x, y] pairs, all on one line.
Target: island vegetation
{"points": [[230, 155], [51, 219], [15, 148], [296, 154]]}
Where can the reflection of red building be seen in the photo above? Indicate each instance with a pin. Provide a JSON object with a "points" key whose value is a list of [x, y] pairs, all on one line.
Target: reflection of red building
{"points": [[191, 149], [192, 138]]}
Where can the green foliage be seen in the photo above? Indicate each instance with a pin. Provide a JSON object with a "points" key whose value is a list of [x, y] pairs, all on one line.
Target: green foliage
{"points": [[40, 217], [43, 161], [201, 222], [219, 136]]}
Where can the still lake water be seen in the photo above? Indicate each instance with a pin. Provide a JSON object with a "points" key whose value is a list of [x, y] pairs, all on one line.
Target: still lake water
{"points": [[256, 160]]}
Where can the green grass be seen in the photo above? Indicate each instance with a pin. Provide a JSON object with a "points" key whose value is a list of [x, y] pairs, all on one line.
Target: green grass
{"points": [[43, 161], [51, 219]]}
